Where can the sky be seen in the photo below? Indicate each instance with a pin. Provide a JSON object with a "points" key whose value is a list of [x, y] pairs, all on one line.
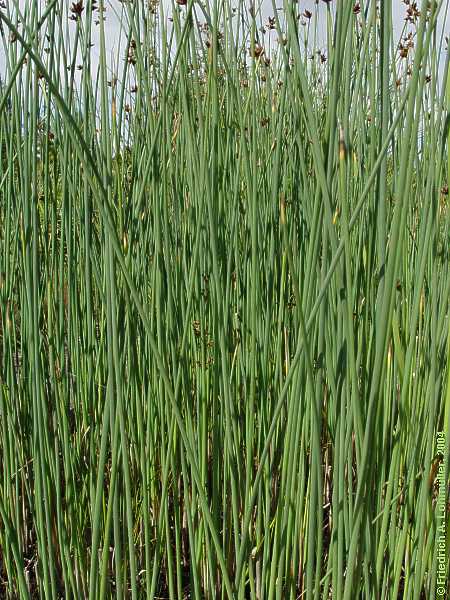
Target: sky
{"points": [[114, 7]]}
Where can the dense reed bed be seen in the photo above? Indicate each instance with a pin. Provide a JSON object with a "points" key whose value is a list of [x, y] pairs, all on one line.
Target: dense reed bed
{"points": [[224, 331]]}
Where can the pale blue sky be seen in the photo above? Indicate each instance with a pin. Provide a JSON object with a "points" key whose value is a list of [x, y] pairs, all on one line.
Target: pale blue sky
{"points": [[399, 9], [114, 7]]}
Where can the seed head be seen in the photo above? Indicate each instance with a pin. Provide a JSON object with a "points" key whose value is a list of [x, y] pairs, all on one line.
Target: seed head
{"points": [[76, 10]]}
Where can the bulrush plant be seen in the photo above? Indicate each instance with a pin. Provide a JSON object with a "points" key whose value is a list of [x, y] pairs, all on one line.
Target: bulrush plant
{"points": [[224, 300]]}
